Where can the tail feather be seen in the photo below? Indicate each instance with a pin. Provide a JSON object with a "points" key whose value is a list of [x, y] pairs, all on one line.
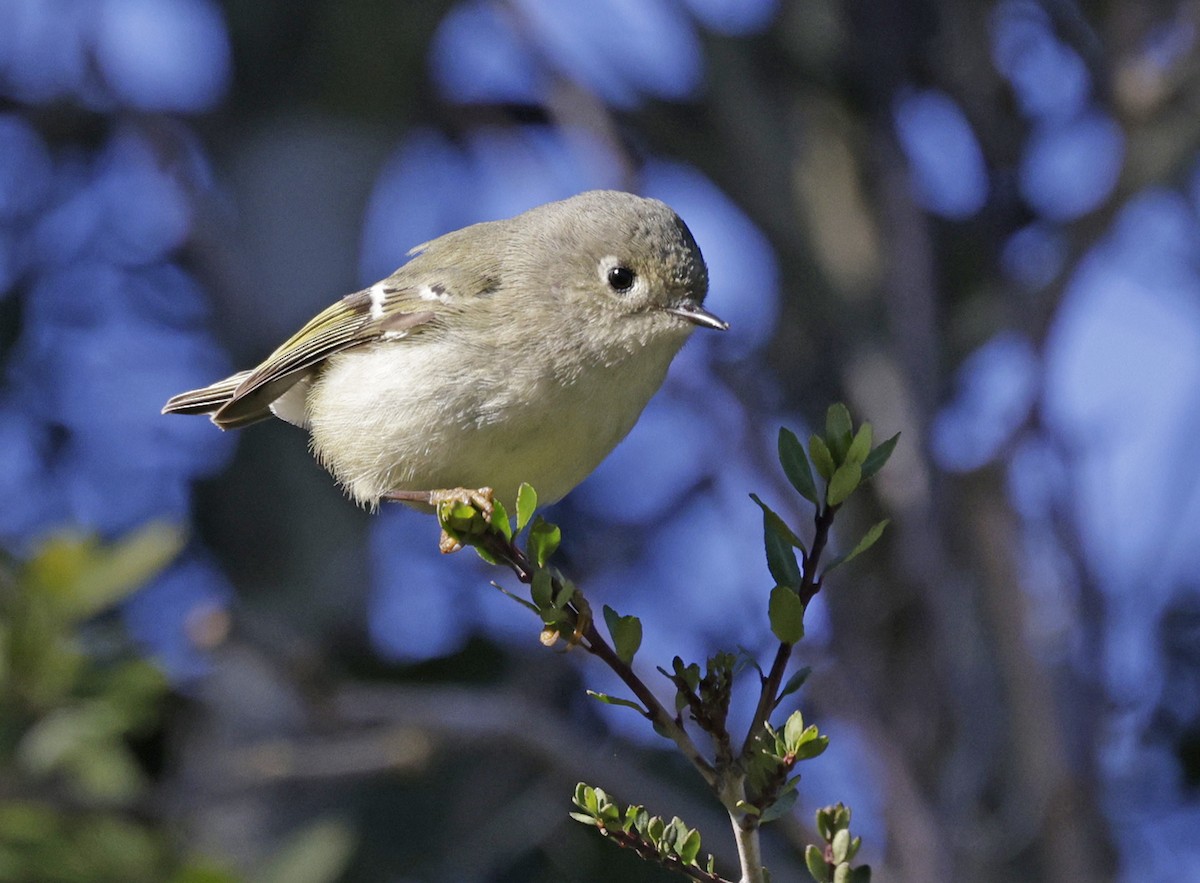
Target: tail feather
{"points": [[210, 399]]}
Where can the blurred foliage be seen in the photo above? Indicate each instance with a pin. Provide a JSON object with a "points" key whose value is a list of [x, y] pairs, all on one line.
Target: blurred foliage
{"points": [[81, 718]]}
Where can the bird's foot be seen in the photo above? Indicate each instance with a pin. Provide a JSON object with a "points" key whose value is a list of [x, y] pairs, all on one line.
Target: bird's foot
{"points": [[461, 511]]}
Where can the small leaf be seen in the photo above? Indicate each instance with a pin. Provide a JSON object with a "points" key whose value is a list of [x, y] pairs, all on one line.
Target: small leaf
{"points": [[690, 848], [844, 481], [544, 538], [499, 520], [626, 633], [786, 612], [541, 589], [486, 555], [565, 593], [586, 819], [526, 503], [840, 846], [616, 700], [878, 457], [837, 431], [869, 539], [861, 874], [782, 805], [821, 457], [812, 744], [841, 873], [779, 525], [795, 465], [792, 731], [795, 682], [818, 868], [861, 446], [781, 558]]}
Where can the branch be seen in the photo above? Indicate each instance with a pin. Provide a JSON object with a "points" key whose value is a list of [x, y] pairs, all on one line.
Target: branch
{"points": [[809, 586]]}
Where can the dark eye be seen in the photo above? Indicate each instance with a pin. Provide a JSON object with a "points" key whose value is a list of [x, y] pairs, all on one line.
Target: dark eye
{"points": [[621, 278]]}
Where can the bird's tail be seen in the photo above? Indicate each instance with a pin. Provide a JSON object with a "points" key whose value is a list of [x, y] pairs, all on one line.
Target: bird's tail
{"points": [[209, 399]]}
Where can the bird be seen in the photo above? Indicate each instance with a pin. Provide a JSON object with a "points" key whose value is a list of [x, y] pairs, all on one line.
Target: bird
{"points": [[510, 351]]}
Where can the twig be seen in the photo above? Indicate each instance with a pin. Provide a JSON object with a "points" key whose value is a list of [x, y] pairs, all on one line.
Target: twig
{"points": [[593, 642], [809, 586]]}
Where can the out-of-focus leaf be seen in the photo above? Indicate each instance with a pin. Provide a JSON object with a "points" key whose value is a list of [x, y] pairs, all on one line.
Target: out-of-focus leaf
{"points": [[317, 853], [86, 577]]}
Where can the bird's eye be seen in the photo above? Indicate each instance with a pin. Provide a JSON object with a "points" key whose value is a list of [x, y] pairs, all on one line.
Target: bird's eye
{"points": [[621, 278]]}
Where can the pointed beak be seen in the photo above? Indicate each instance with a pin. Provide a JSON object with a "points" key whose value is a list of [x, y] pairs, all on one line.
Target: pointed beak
{"points": [[697, 315]]}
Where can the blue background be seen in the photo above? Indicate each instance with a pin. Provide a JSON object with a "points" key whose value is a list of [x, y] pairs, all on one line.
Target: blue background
{"points": [[976, 224]]}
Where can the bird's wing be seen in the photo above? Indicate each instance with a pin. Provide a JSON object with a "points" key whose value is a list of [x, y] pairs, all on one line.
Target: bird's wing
{"points": [[385, 311]]}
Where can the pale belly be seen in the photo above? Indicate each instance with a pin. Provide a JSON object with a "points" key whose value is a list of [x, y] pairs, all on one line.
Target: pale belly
{"points": [[382, 419]]}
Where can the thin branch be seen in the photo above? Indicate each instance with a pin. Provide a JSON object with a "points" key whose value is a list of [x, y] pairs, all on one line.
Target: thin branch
{"points": [[593, 642], [809, 586]]}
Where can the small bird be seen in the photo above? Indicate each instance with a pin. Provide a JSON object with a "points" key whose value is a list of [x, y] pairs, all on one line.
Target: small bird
{"points": [[510, 351]]}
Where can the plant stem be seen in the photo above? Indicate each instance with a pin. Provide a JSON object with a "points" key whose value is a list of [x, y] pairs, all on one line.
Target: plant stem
{"points": [[809, 586], [594, 643], [749, 851], [654, 710]]}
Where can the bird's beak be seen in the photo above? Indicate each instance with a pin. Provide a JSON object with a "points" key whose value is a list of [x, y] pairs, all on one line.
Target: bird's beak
{"points": [[697, 315]]}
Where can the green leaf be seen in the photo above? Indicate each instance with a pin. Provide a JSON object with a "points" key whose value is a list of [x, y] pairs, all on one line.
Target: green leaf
{"points": [[582, 817], [812, 744], [786, 612], [792, 731], [861, 874], [86, 577], [782, 805], [781, 557], [840, 847], [837, 431], [499, 519], [795, 465], [690, 848], [778, 525], [544, 538], [861, 446], [821, 457], [869, 539], [818, 868], [878, 457], [844, 481], [616, 700], [626, 633], [317, 853], [541, 589], [841, 873], [526, 503], [795, 682]]}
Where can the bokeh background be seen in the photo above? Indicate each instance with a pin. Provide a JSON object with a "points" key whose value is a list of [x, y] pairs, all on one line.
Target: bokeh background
{"points": [[977, 223]]}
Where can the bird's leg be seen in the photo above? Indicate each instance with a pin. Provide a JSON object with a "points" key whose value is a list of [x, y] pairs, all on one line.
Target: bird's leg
{"points": [[480, 499]]}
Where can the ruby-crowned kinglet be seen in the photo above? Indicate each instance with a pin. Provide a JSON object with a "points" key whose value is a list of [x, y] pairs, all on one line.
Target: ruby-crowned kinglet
{"points": [[510, 351]]}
